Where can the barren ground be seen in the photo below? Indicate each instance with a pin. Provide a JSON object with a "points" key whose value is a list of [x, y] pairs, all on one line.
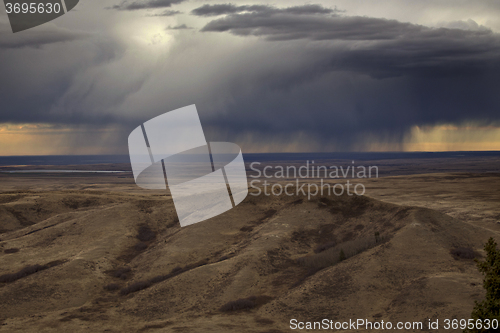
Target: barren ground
{"points": [[88, 232]]}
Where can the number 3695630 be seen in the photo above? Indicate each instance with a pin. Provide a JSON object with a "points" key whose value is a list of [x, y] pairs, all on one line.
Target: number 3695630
{"points": [[33, 8]]}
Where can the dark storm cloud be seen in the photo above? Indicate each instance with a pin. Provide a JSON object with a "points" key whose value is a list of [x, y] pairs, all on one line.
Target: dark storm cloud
{"points": [[288, 26], [151, 4], [223, 9], [376, 46], [301, 22], [347, 108], [358, 75], [305, 69], [430, 52], [35, 37]]}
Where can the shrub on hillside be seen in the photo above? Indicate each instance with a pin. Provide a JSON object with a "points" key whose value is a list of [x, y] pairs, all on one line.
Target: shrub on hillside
{"points": [[332, 255], [324, 247], [122, 272], [141, 246], [342, 256], [136, 286], [463, 253], [490, 307], [28, 270], [145, 234]]}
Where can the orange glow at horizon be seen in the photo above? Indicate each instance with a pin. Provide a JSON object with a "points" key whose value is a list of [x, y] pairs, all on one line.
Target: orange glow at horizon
{"points": [[448, 137], [49, 139]]}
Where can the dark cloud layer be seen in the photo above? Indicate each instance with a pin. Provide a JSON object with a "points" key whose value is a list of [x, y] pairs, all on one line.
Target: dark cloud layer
{"points": [[282, 25], [216, 10], [379, 47], [150, 4], [362, 75]]}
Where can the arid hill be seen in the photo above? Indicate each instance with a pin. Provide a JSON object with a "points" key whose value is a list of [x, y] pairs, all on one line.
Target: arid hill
{"points": [[104, 261]]}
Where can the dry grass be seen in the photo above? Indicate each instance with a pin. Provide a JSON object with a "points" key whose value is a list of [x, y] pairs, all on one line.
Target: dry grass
{"points": [[331, 255], [139, 285], [334, 254], [112, 287]]}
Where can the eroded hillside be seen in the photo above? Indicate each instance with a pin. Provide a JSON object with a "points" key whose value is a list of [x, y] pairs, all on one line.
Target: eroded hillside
{"points": [[107, 261]]}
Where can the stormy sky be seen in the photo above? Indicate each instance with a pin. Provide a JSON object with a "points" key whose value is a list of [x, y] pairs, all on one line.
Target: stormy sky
{"points": [[271, 76]]}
